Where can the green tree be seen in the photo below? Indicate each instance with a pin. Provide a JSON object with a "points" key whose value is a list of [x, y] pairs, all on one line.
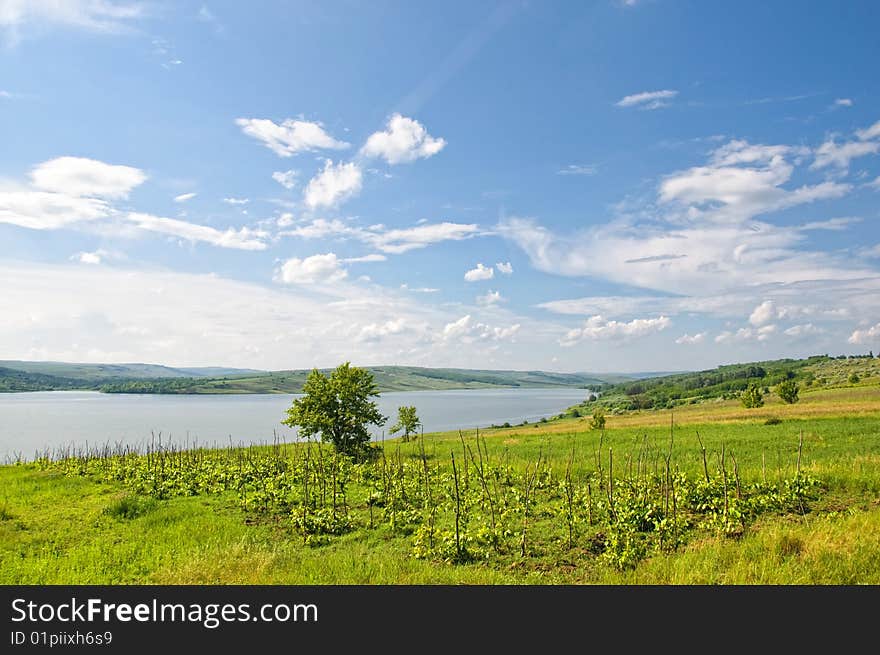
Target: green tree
{"points": [[407, 420], [788, 390], [598, 420], [752, 396], [338, 407], [854, 378]]}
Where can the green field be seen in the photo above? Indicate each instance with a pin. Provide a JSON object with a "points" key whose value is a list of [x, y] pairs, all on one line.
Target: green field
{"points": [[795, 501]]}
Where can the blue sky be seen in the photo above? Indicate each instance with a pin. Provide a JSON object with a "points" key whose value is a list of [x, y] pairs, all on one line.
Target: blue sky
{"points": [[585, 186]]}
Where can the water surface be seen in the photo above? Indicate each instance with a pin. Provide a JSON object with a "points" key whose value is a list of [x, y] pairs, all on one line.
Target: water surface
{"points": [[31, 422]]}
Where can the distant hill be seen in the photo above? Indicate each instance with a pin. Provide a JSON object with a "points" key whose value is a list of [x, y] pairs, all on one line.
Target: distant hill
{"points": [[153, 378]]}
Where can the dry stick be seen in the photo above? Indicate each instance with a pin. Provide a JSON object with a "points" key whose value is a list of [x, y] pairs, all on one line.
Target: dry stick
{"points": [[590, 500], [724, 478], [703, 451], [569, 493], [611, 480], [482, 477], [736, 476], [800, 450], [457, 510]]}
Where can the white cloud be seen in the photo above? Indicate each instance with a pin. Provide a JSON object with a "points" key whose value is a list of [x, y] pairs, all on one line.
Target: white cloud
{"points": [[290, 137], [869, 335], [334, 184], [490, 298], [89, 257], [403, 140], [763, 313], [374, 257], [316, 269], [393, 241], [871, 132], [467, 331], [578, 169], [479, 273], [843, 102], [700, 337], [236, 201], [648, 99], [241, 239], [398, 241], [376, 331], [875, 184], [38, 210], [804, 329], [598, 328], [287, 179], [840, 155], [406, 287], [106, 16], [504, 267], [81, 177], [747, 334], [183, 197], [741, 181]]}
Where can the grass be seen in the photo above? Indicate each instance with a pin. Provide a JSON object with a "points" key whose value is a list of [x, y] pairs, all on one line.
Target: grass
{"points": [[58, 529]]}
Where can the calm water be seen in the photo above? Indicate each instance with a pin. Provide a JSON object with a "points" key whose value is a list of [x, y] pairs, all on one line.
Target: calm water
{"points": [[35, 421]]}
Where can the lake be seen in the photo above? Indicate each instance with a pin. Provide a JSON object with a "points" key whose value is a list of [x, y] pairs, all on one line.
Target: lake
{"points": [[31, 422]]}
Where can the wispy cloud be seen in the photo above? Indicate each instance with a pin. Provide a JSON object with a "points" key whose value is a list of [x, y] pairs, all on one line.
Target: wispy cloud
{"points": [[578, 169], [648, 99], [291, 136]]}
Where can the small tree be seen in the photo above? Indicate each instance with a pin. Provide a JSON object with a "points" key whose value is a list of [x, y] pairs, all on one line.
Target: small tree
{"points": [[598, 420], [338, 407], [752, 396], [854, 378], [788, 390], [407, 420]]}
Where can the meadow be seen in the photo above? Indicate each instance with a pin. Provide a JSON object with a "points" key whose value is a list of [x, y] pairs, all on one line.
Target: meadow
{"points": [[704, 493]]}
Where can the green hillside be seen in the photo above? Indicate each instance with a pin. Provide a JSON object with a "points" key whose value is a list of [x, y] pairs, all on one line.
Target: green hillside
{"points": [[149, 378]]}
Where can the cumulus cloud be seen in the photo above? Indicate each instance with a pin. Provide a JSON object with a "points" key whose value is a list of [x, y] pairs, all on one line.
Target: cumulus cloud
{"points": [[317, 269], [403, 140], [81, 177], [241, 239], [804, 329], [490, 298], [290, 137], [376, 331], [504, 267], [467, 330], [746, 334], [648, 99], [183, 197], [866, 336], [598, 328], [479, 273], [39, 210], [334, 184], [763, 313], [700, 337], [287, 179]]}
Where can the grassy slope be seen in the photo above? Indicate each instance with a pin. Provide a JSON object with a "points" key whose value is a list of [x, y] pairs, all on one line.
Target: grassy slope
{"points": [[147, 378], [54, 529]]}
